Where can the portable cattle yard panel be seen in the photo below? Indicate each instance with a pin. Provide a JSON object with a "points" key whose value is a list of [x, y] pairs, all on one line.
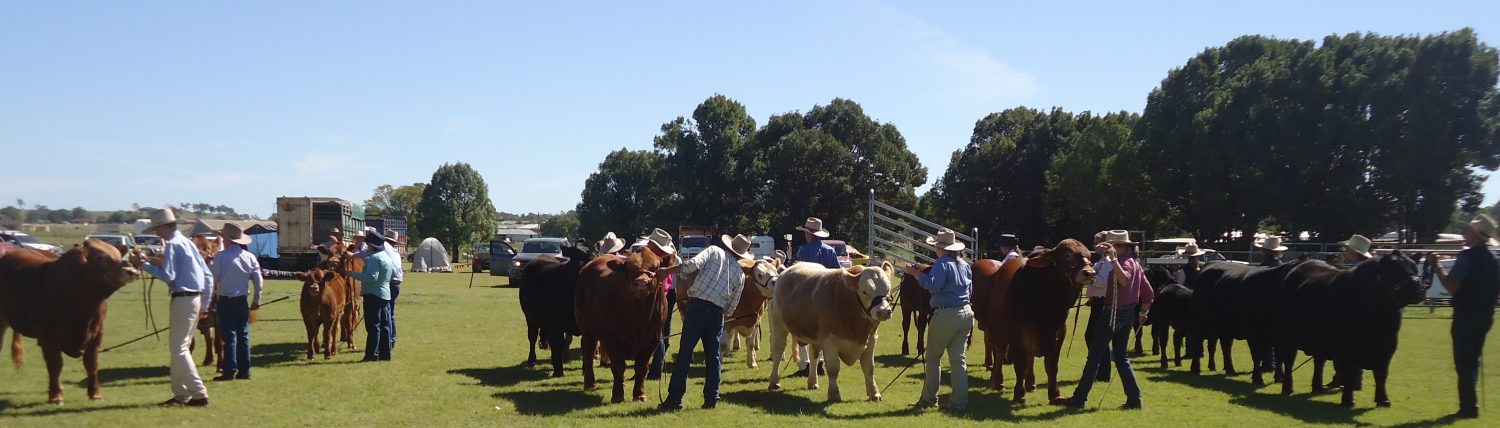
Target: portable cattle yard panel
{"points": [[900, 235]]}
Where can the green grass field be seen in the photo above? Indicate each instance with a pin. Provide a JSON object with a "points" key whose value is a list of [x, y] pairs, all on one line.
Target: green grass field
{"points": [[460, 363]]}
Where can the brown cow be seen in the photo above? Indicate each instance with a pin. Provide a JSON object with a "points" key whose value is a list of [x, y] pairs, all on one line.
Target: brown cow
{"points": [[1026, 316], [837, 310], [208, 246], [991, 282], [338, 261], [916, 303], [745, 321], [322, 306], [61, 301], [620, 304]]}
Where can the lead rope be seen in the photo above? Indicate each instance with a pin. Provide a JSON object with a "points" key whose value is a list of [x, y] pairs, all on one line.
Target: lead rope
{"points": [[1114, 309]]}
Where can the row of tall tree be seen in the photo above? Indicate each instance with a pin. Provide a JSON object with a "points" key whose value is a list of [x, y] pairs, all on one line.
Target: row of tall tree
{"points": [[1357, 134]]}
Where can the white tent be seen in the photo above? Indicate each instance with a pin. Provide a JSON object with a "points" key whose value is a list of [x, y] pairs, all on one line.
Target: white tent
{"points": [[430, 257]]}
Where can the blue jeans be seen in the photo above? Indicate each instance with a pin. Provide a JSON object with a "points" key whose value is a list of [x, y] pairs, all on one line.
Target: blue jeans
{"points": [[1118, 338], [395, 292], [377, 328], [704, 321], [234, 328], [659, 358]]}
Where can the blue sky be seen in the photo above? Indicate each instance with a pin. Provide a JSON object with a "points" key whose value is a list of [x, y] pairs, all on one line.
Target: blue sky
{"points": [[111, 103]]}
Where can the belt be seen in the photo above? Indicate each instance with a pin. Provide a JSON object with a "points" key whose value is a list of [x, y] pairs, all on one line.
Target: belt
{"points": [[185, 294], [951, 307], [221, 296]]}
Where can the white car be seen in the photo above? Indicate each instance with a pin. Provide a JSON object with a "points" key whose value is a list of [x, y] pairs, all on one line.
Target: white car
{"points": [[27, 241]]}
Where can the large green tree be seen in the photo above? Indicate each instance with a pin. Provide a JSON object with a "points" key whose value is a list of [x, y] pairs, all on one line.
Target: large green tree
{"points": [[563, 225], [707, 179], [455, 207], [402, 201], [1096, 182], [623, 196]]}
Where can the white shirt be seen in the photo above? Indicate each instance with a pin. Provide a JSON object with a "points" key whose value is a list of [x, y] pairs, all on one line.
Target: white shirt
{"points": [[1102, 270], [720, 279]]}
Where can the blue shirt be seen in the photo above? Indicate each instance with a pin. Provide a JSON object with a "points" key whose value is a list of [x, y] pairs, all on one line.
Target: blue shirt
{"points": [[817, 252], [182, 267], [235, 269], [1479, 272], [950, 282], [376, 278], [364, 252]]}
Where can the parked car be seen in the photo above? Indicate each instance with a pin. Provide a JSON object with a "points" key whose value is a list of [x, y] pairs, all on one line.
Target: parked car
{"points": [[152, 244], [119, 240], [843, 251], [22, 240], [530, 250], [501, 257], [480, 256]]}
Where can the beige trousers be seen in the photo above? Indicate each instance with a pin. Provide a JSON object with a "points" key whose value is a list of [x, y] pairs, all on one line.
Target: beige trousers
{"points": [[186, 385]]}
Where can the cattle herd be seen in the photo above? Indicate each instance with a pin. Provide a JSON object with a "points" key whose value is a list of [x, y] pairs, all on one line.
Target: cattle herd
{"points": [[617, 306]]}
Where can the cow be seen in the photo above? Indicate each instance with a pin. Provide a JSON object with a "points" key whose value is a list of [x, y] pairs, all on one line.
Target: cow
{"points": [[208, 247], [547, 300], [621, 306], [61, 301], [1232, 301], [1027, 310], [323, 305], [834, 310], [916, 303], [760, 276], [1170, 317], [1352, 317], [1159, 277], [338, 261], [991, 279]]}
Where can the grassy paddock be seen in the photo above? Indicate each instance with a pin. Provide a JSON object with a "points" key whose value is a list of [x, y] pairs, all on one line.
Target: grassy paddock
{"points": [[460, 363]]}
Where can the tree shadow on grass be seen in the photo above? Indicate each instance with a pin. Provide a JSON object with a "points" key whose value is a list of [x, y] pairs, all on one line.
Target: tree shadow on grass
{"points": [[777, 402], [503, 376], [552, 402], [1247, 394], [271, 354], [42, 408], [115, 376]]}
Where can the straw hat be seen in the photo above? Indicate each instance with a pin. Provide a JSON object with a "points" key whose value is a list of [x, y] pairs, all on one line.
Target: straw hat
{"points": [[232, 233], [1272, 243], [814, 226], [1118, 237], [1359, 244], [662, 240], [739, 245], [1483, 224], [1192, 250], [780, 255], [946, 239], [163, 217], [610, 243], [394, 236], [1099, 237]]}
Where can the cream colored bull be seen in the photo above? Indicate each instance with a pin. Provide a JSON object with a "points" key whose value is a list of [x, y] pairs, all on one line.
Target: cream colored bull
{"points": [[745, 321], [834, 310]]}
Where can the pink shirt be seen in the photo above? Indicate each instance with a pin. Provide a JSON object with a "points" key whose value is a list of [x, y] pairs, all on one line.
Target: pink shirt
{"points": [[1137, 289]]}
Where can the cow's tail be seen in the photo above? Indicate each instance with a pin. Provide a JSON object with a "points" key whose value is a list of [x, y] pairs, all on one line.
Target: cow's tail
{"points": [[17, 356]]}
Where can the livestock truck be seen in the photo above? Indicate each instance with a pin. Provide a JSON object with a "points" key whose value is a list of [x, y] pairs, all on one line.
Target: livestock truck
{"points": [[303, 222], [383, 223], [693, 240]]}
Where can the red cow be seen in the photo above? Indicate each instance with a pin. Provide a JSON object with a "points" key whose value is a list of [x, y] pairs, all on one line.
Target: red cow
{"points": [[916, 303], [1026, 316], [621, 305]]}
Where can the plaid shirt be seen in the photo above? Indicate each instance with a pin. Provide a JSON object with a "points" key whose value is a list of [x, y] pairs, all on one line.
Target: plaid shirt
{"points": [[720, 279]]}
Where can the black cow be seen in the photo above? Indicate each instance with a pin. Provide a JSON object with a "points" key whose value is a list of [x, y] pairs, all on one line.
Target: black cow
{"points": [[547, 289], [1158, 277], [1172, 310], [1351, 317], [1232, 301]]}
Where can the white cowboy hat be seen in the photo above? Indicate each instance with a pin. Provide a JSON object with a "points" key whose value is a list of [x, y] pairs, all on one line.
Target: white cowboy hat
{"points": [[1118, 237], [814, 226], [610, 243], [335, 230], [163, 217], [1359, 244], [780, 254], [1192, 250], [739, 245], [946, 239], [394, 236], [662, 240], [1483, 224], [233, 233], [1272, 243]]}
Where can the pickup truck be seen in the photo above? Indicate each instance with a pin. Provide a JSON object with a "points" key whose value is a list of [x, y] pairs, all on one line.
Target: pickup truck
{"points": [[22, 240]]}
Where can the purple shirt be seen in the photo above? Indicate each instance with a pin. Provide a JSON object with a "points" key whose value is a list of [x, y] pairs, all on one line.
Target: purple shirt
{"points": [[1137, 289]]}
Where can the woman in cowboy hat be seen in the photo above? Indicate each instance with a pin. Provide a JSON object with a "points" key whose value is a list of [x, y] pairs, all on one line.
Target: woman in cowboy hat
{"points": [[716, 292], [1474, 282], [1271, 248], [234, 270], [1128, 298], [660, 243], [951, 282], [1008, 244]]}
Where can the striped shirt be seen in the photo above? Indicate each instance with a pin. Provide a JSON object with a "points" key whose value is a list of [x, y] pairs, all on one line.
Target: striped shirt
{"points": [[720, 279]]}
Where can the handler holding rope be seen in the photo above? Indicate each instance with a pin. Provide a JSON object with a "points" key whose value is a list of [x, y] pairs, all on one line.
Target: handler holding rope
{"points": [[1474, 282], [1130, 296], [951, 280]]}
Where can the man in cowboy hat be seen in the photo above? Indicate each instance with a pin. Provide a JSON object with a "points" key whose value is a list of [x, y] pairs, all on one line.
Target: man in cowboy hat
{"points": [[951, 280], [190, 283], [1357, 250], [1271, 248], [1008, 243], [814, 251], [1127, 300], [660, 243], [1474, 283], [234, 270], [611, 245], [389, 248], [1095, 337], [375, 287], [714, 294]]}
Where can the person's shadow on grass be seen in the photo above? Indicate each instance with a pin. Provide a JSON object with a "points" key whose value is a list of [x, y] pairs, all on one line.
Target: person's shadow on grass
{"points": [[1299, 406]]}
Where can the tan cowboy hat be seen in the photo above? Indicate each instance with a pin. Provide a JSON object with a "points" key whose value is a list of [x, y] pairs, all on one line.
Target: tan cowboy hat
{"points": [[739, 245], [814, 226], [163, 217], [662, 240], [394, 236], [335, 230], [1483, 224], [1099, 237], [1272, 243], [232, 233], [946, 239], [780, 254], [1359, 244], [1192, 250], [610, 243], [1118, 237]]}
